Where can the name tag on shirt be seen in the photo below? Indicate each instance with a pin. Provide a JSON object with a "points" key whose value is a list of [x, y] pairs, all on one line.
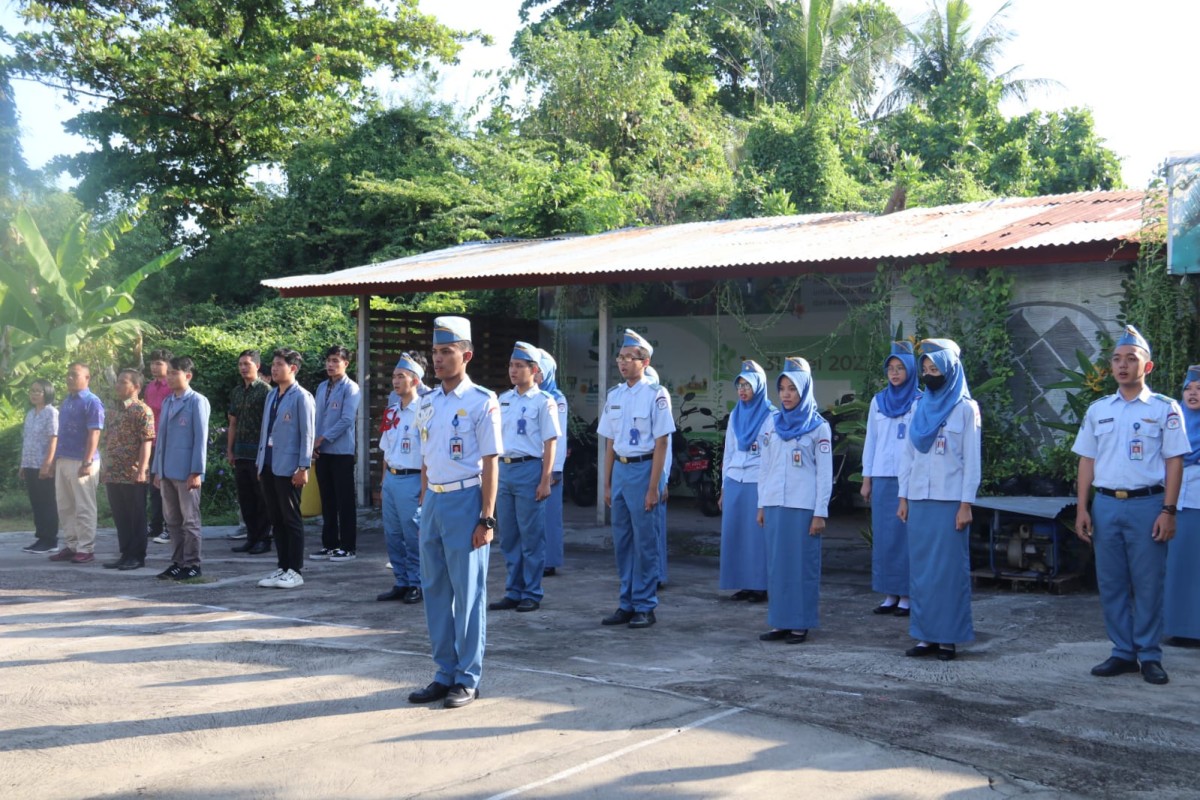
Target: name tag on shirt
{"points": [[939, 445]]}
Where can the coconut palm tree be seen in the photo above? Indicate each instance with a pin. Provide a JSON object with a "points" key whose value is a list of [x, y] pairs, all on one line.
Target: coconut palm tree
{"points": [[942, 42]]}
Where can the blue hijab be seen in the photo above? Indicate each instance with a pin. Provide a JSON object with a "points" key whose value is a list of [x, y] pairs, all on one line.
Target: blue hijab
{"points": [[748, 416], [895, 401], [935, 407], [805, 416], [1191, 421], [549, 368]]}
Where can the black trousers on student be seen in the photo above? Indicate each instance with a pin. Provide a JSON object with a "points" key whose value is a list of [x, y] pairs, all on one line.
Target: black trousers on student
{"points": [[45, 507], [128, 504], [283, 508], [251, 501], [339, 506]]}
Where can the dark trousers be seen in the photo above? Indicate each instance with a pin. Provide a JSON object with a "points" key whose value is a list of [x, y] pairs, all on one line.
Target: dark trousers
{"points": [[45, 507], [155, 514], [283, 508], [251, 501], [339, 509], [128, 504]]}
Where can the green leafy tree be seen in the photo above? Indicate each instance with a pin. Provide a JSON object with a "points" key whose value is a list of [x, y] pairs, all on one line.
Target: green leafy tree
{"points": [[189, 95], [50, 303]]}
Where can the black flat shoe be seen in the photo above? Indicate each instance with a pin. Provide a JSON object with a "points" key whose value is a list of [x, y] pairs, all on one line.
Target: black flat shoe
{"points": [[797, 637], [947, 652], [774, 636], [919, 650], [434, 691], [116, 564], [549, 572], [882, 609], [1114, 666], [394, 593], [131, 564], [901, 611], [244, 547], [757, 597], [1181, 641], [741, 594]]}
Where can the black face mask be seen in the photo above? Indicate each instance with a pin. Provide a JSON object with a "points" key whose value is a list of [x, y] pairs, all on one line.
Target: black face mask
{"points": [[934, 382]]}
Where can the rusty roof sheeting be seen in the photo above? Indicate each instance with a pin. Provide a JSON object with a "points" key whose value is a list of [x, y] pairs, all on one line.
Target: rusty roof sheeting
{"points": [[1097, 219]]}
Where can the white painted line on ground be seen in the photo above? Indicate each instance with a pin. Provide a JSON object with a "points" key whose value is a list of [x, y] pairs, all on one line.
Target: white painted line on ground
{"points": [[641, 667], [624, 751]]}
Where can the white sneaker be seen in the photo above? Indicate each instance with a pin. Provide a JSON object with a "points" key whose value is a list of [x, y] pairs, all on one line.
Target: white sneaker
{"points": [[162, 538], [272, 580], [289, 580]]}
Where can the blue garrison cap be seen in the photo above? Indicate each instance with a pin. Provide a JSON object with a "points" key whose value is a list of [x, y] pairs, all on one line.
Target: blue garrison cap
{"points": [[902, 348], [934, 345], [651, 374], [1133, 337], [1193, 375], [634, 339], [796, 364], [524, 351], [407, 363], [447, 330]]}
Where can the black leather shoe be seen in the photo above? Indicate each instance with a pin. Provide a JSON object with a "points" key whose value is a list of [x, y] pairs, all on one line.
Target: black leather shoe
{"points": [[258, 548], [918, 650], [528, 604], [459, 696], [796, 637], [133, 563], [115, 564], [244, 547], [902, 612], [618, 617], [642, 619], [884, 609], [503, 604], [394, 593], [947, 652], [549, 572], [741, 594], [1114, 666], [1181, 641], [774, 636], [1153, 672], [757, 597], [434, 691], [412, 595]]}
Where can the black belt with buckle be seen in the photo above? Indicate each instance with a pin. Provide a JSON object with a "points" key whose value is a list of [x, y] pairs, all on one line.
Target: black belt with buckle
{"points": [[404, 471], [519, 459], [635, 459], [1125, 494]]}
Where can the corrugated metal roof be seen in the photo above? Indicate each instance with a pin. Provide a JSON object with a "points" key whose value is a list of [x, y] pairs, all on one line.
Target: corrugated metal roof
{"points": [[1072, 227]]}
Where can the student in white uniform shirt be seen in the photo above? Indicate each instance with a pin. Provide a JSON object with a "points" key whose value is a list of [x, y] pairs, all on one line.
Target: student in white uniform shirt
{"points": [[1181, 608], [529, 425], [1131, 446], [459, 423], [400, 444], [795, 481], [743, 544], [637, 425], [554, 504], [939, 476], [888, 421]]}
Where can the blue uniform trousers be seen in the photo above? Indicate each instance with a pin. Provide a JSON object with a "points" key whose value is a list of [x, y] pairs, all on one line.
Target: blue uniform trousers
{"points": [[940, 573], [793, 568], [1181, 604], [554, 524], [743, 543], [1130, 570], [401, 526], [635, 537], [521, 523], [454, 579], [660, 531], [889, 539]]}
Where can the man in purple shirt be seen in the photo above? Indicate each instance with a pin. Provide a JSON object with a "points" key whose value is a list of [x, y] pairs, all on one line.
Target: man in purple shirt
{"points": [[76, 472]]}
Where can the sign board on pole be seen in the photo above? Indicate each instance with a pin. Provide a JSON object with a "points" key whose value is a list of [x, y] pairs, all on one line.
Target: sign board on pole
{"points": [[1183, 214]]}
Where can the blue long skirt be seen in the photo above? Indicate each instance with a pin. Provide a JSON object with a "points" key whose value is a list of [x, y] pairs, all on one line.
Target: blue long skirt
{"points": [[1181, 601], [554, 524], [743, 544], [793, 568], [940, 573], [889, 539]]}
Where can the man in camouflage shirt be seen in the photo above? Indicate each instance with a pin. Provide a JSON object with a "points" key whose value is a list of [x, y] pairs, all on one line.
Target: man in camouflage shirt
{"points": [[246, 403]]}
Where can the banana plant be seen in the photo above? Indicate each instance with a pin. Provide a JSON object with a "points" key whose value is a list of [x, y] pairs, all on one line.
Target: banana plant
{"points": [[48, 303]]}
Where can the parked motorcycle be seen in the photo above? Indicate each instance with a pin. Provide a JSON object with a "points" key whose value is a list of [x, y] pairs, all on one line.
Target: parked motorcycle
{"points": [[699, 459], [848, 430]]}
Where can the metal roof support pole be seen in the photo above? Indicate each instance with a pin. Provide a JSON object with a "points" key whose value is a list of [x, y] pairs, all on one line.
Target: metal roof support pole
{"points": [[362, 464], [602, 385]]}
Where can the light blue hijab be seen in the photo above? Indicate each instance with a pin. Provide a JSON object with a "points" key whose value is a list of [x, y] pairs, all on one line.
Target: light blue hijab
{"points": [[1191, 420], [748, 416], [805, 416], [935, 406]]}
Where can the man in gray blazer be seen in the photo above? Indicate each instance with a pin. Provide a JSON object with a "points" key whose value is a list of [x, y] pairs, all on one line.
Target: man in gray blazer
{"points": [[285, 446], [178, 467]]}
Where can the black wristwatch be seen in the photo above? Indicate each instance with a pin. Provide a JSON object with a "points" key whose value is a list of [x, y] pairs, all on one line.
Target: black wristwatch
{"points": [[1169, 509], [488, 522]]}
